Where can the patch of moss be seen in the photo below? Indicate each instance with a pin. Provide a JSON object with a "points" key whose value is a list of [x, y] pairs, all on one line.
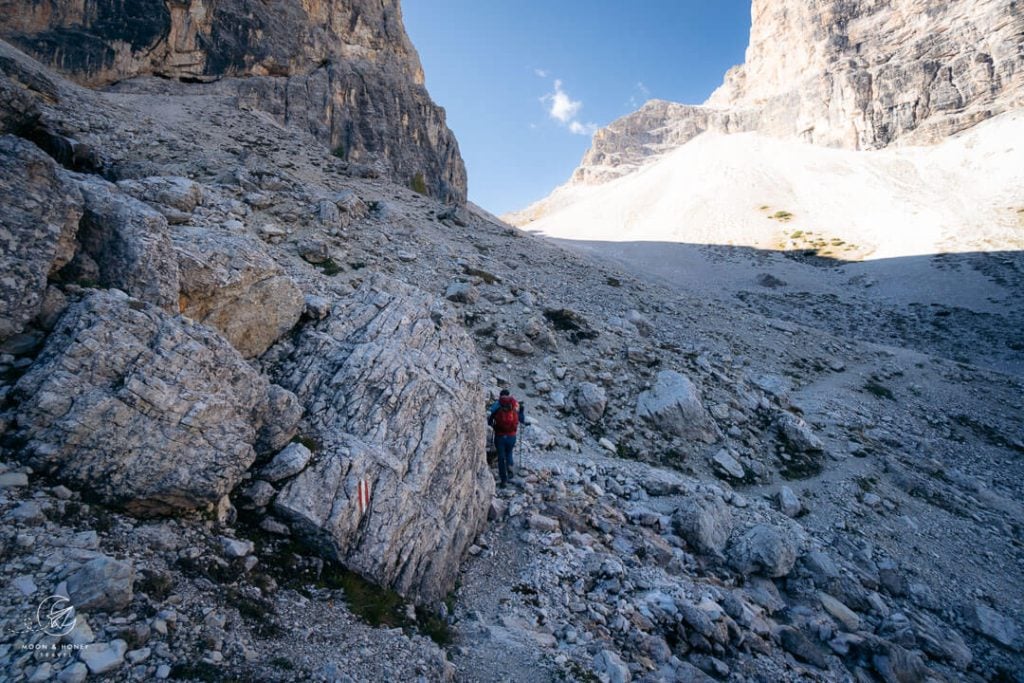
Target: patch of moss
{"points": [[309, 442], [866, 484], [329, 267], [282, 663], [419, 183], [376, 605], [784, 216], [257, 612], [878, 390], [433, 626], [489, 278]]}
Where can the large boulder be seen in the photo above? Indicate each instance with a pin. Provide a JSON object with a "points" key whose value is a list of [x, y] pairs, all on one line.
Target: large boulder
{"points": [[173, 196], [591, 400], [705, 523], [129, 243], [673, 406], [146, 411], [39, 217], [230, 282], [764, 549], [392, 391], [797, 434]]}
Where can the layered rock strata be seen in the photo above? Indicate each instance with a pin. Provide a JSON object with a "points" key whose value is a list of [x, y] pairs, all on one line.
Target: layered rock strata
{"points": [[143, 410], [387, 382]]}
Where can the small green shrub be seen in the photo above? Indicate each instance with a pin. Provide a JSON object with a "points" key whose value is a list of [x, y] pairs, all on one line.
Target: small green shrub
{"points": [[419, 183], [339, 151], [329, 267], [879, 390], [784, 216], [309, 442]]}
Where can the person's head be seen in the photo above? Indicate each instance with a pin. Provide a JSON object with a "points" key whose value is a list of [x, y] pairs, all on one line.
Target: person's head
{"points": [[504, 392]]}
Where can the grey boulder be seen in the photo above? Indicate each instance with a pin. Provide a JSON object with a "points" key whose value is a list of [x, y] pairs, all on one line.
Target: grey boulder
{"points": [[387, 384], [289, 462], [798, 434], [129, 243], [103, 584], [591, 400], [764, 549], [704, 523], [673, 406], [150, 412], [230, 283]]}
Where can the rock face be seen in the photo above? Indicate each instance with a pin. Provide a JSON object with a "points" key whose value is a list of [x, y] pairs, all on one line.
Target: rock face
{"points": [[862, 74], [387, 382], [38, 222], [149, 412], [344, 69]]}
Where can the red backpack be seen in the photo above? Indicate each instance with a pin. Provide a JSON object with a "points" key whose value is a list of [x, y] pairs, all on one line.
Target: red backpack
{"points": [[506, 419]]}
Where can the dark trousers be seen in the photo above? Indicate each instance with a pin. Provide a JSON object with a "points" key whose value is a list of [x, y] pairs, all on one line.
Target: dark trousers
{"points": [[504, 444]]}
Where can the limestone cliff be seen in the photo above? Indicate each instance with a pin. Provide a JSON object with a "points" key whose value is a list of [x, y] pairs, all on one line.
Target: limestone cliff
{"points": [[862, 74], [343, 69], [856, 74]]}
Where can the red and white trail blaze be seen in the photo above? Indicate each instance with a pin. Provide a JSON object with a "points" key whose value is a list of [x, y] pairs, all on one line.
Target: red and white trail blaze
{"points": [[364, 495]]}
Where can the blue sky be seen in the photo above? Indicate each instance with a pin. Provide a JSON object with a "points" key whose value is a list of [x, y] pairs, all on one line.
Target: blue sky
{"points": [[525, 82]]}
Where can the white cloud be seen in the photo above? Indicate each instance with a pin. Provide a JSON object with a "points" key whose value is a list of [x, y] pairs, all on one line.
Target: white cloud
{"points": [[541, 73], [582, 128], [563, 109]]}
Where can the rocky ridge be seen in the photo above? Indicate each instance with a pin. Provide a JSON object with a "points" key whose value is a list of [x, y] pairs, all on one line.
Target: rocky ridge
{"points": [[820, 519]]}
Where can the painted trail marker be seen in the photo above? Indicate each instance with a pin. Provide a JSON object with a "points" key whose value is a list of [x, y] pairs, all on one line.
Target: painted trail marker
{"points": [[364, 491]]}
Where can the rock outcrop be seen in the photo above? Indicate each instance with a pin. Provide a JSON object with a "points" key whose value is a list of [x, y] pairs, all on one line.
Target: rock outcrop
{"points": [[343, 69], [388, 381], [146, 411], [40, 220]]}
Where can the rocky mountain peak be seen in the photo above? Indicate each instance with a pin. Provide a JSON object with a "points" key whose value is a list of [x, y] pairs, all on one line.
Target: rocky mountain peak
{"points": [[842, 73], [863, 74], [343, 69]]}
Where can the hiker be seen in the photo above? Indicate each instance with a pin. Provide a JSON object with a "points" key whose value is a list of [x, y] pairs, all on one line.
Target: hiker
{"points": [[504, 416]]}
